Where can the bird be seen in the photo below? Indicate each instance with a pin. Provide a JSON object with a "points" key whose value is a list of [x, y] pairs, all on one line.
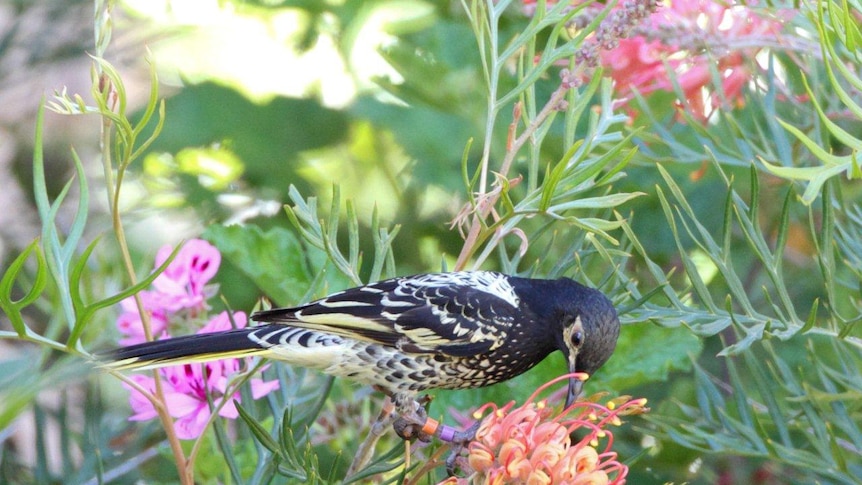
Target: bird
{"points": [[411, 334]]}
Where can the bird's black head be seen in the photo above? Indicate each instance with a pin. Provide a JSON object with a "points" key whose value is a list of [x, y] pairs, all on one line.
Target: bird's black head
{"points": [[585, 325]]}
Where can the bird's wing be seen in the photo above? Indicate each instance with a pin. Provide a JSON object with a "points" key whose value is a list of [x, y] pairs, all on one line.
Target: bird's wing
{"points": [[459, 314]]}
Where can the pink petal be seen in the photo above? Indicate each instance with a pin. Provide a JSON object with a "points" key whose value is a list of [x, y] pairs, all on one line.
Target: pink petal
{"points": [[182, 405], [192, 425], [229, 410], [260, 388], [204, 261], [142, 407]]}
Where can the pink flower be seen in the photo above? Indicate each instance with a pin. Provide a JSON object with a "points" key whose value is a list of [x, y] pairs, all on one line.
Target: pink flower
{"points": [[129, 322], [732, 35], [692, 43], [181, 285], [186, 387], [532, 444]]}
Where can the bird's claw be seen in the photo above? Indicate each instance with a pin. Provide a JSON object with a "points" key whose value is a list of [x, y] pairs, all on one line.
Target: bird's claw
{"points": [[411, 419], [408, 426], [460, 441]]}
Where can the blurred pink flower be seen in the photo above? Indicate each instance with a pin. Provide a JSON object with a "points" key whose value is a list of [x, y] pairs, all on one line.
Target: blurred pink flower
{"points": [[692, 43], [129, 322], [532, 443], [182, 286], [186, 387]]}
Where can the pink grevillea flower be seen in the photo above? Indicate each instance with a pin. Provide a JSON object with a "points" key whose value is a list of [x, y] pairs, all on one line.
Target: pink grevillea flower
{"points": [[532, 443], [692, 42], [182, 286], [186, 387]]}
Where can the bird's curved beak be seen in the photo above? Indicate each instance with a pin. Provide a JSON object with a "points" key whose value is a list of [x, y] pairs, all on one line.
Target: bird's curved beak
{"points": [[575, 384]]}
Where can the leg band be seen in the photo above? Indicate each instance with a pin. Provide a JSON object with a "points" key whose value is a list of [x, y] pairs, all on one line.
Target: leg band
{"points": [[430, 426], [447, 433]]}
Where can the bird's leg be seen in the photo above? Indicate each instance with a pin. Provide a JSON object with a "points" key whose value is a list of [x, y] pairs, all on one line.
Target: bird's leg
{"points": [[412, 419], [412, 422], [460, 440]]}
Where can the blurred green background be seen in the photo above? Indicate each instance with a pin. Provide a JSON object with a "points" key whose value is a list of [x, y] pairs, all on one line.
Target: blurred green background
{"points": [[386, 99]]}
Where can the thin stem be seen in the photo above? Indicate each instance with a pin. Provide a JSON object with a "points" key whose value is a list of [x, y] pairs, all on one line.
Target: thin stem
{"points": [[377, 429], [433, 462], [493, 70], [113, 190], [551, 106]]}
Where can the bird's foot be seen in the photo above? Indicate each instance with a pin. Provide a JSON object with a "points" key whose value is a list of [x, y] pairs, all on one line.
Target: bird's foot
{"points": [[413, 426], [412, 423], [460, 441]]}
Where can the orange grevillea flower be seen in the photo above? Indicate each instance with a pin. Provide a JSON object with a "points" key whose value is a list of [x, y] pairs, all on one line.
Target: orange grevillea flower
{"points": [[533, 444]]}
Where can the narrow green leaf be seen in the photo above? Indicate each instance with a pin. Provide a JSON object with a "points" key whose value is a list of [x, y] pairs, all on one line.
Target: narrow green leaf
{"points": [[621, 164], [11, 307], [599, 202], [261, 434], [469, 183], [40, 189], [755, 194], [152, 103], [87, 312], [812, 317], [79, 222], [223, 443], [839, 133], [352, 235], [727, 225], [773, 406], [553, 179], [783, 228], [384, 463], [824, 240], [740, 397], [42, 473], [334, 217], [75, 277]]}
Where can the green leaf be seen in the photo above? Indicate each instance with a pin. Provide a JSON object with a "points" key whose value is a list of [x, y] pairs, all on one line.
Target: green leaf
{"points": [[259, 432], [600, 202], [386, 462], [273, 259], [12, 308], [87, 311]]}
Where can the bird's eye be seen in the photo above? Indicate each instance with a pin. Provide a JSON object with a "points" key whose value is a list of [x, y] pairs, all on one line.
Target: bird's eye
{"points": [[577, 338]]}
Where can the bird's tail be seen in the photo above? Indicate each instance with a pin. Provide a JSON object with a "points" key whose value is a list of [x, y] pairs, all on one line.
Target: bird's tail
{"points": [[203, 347]]}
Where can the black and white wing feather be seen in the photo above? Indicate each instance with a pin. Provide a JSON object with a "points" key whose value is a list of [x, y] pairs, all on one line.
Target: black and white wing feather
{"points": [[457, 314]]}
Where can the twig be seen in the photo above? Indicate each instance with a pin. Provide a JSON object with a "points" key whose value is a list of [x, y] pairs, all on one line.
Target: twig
{"points": [[377, 429]]}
